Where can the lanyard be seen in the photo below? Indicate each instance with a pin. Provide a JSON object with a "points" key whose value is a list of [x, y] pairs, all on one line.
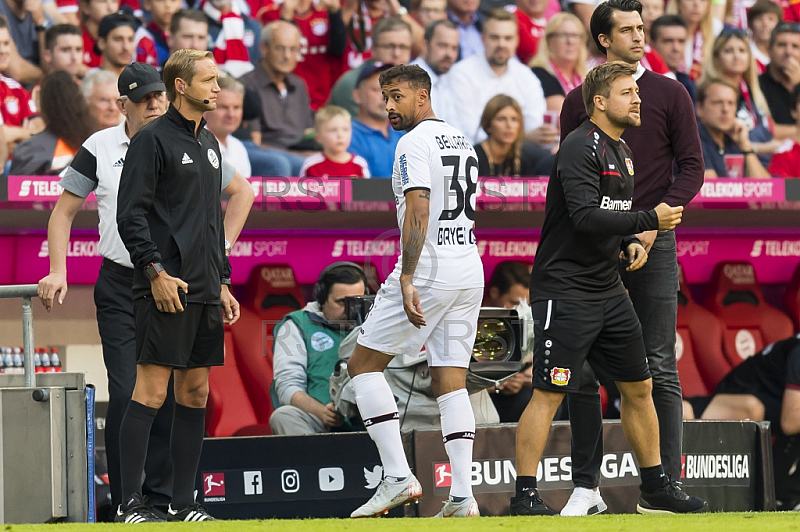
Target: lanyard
{"points": [[697, 56], [745, 90], [566, 84]]}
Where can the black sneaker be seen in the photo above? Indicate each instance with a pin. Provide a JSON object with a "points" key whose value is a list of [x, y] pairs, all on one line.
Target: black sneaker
{"points": [[193, 512], [530, 504], [670, 499], [136, 511]]}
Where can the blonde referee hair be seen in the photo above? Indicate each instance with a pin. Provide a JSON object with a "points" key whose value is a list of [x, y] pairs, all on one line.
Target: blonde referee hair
{"points": [[182, 64], [329, 112]]}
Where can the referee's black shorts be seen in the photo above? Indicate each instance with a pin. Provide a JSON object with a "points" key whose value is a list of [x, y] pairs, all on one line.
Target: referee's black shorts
{"points": [[606, 333], [190, 339]]}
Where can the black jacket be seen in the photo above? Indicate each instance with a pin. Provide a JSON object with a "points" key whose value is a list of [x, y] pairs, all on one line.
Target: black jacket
{"points": [[587, 219], [168, 208]]}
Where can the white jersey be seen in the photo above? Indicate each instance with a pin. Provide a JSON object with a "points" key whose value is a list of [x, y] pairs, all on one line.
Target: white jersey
{"points": [[437, 157]]}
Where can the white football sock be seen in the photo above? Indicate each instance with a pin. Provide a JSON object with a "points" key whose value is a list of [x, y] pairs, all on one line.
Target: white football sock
{"points": [[379, 413], [458, 432]]}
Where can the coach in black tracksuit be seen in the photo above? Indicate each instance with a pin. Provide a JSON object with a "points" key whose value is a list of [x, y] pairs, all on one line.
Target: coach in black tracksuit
{"points": [[170, 220], [580, 309]]}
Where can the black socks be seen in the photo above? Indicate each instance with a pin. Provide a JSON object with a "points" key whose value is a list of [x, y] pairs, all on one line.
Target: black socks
{"points": [[133, 437], [188, 429]]}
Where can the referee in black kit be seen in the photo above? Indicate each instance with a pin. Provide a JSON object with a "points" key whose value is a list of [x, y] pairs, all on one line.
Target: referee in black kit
{"points": [[170, 220], [581, 310]]}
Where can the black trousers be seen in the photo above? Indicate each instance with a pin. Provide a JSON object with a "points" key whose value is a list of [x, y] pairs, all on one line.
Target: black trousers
{"points": [[112, 297]]}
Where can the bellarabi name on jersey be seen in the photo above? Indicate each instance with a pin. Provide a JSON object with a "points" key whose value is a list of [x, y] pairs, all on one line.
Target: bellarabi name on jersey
{"points": [[447, 142]]}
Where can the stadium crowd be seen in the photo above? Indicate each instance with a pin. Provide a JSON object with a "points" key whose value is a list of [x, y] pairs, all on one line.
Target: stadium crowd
{"points": [[500, 73]]}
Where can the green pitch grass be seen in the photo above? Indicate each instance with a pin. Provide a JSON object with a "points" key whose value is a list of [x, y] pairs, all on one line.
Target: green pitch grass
{"points": [[729, 522]]}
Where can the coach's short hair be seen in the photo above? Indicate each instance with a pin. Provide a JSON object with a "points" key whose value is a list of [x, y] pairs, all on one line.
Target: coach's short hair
{"points": [[97, 77], [182, 64], [599, 80], [414, 75], [602, 22]]}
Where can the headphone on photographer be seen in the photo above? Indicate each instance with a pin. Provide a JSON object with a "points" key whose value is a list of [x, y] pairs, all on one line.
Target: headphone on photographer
{"points": [[323, 285]]}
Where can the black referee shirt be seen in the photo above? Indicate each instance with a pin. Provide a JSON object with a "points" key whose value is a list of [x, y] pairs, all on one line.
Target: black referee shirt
{"points": [[586, 216], [168, 208]]}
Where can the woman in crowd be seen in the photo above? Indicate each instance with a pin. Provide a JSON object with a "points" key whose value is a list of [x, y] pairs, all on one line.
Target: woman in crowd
{"points": [[67, 125], [731, 59], [702, 29], [560, 62], [505, 152]]}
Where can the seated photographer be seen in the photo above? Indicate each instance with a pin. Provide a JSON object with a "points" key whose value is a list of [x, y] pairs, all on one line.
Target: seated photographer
{"points": [[765, 386], [508, 288], [306, 350]]}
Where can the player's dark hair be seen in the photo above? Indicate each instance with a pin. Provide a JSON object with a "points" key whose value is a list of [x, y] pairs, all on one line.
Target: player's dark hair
{"points": [[705, 86], [54, 32], [3, 22], [602, 22], [667, 21], [761, 8], [430, 29], [64, 109], [507, 274], [415, 76], [337, 273], [186, 14], [599, 80]]}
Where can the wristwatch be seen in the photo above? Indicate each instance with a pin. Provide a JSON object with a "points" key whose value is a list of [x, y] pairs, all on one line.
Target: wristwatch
{"points": [[153, 270], [228, 247], [226, 281], [44, 26]]}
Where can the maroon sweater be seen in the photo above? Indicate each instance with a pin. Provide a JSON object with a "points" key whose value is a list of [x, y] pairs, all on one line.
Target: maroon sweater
{"points": [[668, 133]]}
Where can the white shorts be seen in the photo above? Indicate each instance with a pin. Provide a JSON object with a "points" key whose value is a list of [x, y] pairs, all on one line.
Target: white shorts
{"points": [[448, 337]]}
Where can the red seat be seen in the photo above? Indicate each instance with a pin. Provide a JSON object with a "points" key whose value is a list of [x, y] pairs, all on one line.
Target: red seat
{"points": [[229, 409], [749, 323], [271, 293], [698, 345], [792, 298]]}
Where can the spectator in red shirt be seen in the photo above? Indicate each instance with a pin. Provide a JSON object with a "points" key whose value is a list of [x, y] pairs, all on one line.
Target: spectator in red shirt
{"points": [[786, 160], [188, 29], [18, 110], [333, 132], [234, 36], [92, 12], [762, 19], [321, 56], [151, 40], [531, 23], [427, 11], [115, 41]]}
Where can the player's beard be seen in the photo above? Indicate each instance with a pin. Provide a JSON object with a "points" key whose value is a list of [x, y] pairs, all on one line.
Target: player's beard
{"points": [[404, 122], [623, 120]]}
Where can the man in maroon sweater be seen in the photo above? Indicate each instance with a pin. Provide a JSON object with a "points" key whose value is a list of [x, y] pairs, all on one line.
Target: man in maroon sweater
{"points": [[668, 133]]}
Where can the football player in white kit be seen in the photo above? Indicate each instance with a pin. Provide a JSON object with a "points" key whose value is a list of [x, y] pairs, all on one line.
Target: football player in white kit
{"points": [[432, 297]]}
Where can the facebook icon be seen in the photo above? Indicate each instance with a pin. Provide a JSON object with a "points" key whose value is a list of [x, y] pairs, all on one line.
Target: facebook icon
{"points": [[252, 483]]}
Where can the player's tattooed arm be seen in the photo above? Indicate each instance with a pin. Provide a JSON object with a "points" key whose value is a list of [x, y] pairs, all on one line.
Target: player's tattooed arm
{"points": [[415, 227], [412, 247]]}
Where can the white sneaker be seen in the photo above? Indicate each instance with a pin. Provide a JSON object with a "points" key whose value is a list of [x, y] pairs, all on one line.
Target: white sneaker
{"points": [[584, 502], [388, 495], [466, 508]]}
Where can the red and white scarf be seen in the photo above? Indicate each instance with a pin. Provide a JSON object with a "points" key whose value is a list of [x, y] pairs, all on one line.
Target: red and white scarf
{"points": [[230, 52]]}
